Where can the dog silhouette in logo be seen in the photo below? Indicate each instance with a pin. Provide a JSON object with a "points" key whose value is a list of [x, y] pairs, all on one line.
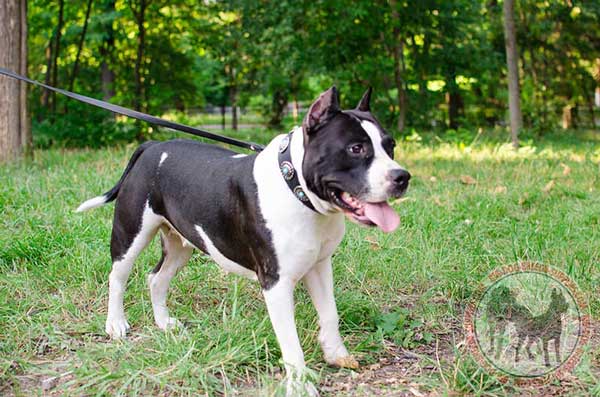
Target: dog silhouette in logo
{"points": [[503, 309], [545, 327]]}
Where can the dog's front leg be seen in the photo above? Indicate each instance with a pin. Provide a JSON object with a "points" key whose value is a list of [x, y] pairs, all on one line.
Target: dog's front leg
{"points": [[319, 283], [280, 305]]}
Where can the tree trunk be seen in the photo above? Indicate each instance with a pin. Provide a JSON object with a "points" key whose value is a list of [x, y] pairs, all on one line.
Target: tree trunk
{"points": [[223, 115], [26, 136], [48, 77], [107, 50], [140, 17], [589, 100], [398, 53], [233, 96], [278, 104], [454, 100], [79, 49], [80, 46], [14, 123], [57, 37], [512, 60], [233, 100]]}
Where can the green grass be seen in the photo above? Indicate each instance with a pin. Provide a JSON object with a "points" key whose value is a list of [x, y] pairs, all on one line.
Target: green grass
{"points": [[54, 266]]}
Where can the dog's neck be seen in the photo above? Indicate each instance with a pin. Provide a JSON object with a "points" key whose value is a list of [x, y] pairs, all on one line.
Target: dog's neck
{"points": [[297, 154]]}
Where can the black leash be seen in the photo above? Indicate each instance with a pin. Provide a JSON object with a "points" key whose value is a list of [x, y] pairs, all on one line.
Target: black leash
{"points": [[138, 115]]}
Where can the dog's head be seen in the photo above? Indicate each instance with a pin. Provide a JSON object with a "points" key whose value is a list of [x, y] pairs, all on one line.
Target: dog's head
{"points": [[348, 161]]}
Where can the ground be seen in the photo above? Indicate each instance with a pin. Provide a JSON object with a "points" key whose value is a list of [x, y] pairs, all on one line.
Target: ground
{"points": [[473, 205]]}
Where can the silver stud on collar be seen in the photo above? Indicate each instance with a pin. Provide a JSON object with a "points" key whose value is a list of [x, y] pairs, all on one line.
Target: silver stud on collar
{"points": [[283, 145], [287, 170], [299, 192]]}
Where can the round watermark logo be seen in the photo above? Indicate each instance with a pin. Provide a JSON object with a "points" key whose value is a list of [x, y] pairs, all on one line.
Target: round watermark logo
{"points": [[527, 321]]}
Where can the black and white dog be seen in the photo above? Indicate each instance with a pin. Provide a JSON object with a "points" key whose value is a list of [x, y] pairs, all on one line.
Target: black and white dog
{"points": [[275, 217]]}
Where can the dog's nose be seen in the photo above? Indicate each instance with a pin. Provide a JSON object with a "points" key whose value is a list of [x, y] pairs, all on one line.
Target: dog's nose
{"points": [[400, 177]]}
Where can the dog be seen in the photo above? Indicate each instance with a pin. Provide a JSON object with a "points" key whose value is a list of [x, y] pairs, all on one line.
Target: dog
{"points": [[275, 217], [503, 308], [544, 327]]}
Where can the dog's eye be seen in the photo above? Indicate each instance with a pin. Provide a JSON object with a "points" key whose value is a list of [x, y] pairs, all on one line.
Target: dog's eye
{"points": [[357, 148]]}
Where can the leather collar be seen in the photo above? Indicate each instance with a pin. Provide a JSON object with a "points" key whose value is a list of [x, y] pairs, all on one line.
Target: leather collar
{"points": [[289, 173]]}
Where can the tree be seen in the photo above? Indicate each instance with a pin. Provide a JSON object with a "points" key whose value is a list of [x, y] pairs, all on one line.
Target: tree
{"points": [[139, 13], [80, 46], [399, 68], [107, 50], [57, 38], [512, 61], [15, 136]]}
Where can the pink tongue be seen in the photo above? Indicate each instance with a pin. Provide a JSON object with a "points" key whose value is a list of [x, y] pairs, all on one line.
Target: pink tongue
{"points": [[382, 215]]}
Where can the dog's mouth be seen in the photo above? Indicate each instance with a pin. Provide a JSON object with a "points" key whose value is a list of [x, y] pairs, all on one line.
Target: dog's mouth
{"points": [[365, 213]]}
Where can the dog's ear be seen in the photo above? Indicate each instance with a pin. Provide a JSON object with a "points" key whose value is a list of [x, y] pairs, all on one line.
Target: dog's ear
{"points": [[365, 102], [323, 109]]}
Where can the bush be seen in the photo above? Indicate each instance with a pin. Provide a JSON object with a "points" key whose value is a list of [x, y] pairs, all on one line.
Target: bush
{"points": [[81, 126]]}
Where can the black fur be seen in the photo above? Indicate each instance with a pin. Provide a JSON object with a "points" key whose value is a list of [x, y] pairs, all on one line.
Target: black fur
{"points": [[112, 193], [328, 164], [183, 190]]}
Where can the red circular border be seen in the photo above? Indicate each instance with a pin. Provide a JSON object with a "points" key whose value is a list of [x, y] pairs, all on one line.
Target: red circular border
{"points": [[565, 368]]}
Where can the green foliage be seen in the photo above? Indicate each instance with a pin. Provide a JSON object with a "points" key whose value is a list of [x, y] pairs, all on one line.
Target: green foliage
{"points": [[270, 54], [81, 126], [404, 330]]}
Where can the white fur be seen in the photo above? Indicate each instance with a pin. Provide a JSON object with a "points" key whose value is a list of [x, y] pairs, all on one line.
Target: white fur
{"points": [[319, 283], [163, 157], [116, 323], [225, 263], [378, 180], [91, 203], [301, 238], [177, 253]]}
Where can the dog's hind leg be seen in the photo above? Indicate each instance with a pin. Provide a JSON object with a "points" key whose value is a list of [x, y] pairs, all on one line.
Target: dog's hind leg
{"points": [[132, 231], [176, 253]]}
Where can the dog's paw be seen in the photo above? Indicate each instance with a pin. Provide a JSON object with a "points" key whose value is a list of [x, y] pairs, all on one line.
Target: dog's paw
{"points": [[345, 362], [116, 328], [169, 323], [297, 388]]}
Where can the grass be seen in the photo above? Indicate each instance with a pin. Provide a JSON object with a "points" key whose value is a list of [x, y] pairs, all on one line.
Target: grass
{"points": [[471, 207]]}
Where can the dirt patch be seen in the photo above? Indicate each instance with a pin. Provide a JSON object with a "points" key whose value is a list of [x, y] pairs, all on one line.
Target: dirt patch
{"points": [[396, 374], [44, 378]]}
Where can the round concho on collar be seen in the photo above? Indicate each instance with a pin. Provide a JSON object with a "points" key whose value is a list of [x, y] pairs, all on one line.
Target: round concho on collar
{"points": [[299, 192], [285, 142], [287, 170]]}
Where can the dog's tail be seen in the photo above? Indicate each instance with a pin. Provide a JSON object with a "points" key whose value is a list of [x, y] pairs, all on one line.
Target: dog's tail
{"points": [[112, 193]]}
